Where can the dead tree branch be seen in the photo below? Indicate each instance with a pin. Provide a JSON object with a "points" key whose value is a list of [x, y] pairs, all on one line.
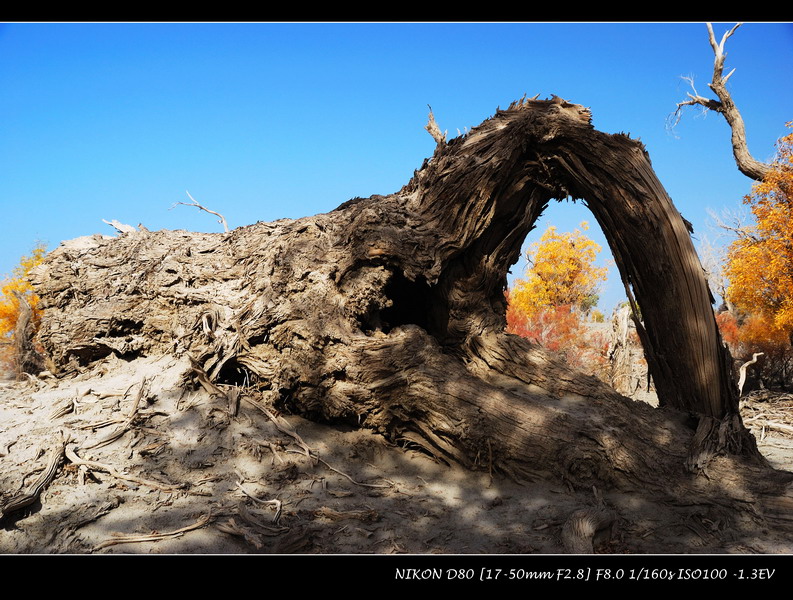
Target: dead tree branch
{"points": [[221, 218], [119, 226], [434, 130], [744, 366], [747, 164]]}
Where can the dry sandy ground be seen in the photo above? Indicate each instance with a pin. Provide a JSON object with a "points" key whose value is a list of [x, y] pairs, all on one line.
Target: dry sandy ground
{"points": [[178, 472]]}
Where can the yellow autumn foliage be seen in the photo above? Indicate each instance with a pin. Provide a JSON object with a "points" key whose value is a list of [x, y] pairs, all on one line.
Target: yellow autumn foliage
{"points": [[18, 283], [760, 262], [561, 272]]}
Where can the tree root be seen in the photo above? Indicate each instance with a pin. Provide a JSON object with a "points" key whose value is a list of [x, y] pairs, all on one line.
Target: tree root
{"points": [[72, 456], [26, 499], [581, 528], [153, 537]]}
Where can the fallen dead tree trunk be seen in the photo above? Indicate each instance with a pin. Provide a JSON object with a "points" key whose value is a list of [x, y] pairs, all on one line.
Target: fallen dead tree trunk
{"points": [[388, 313]]}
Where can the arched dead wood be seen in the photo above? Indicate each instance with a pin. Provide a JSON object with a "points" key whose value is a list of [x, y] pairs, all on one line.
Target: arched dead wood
{"points": [[388, 313]]}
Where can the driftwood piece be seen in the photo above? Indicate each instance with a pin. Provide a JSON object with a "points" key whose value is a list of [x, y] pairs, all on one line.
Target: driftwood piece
{"points": [[389, 313]]}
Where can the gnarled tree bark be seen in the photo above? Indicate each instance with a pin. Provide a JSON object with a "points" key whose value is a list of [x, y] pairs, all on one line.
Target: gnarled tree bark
{"points": [[388, 313]]}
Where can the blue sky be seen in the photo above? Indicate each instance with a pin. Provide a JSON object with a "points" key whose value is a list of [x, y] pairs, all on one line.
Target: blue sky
{"points": [[262, 121]]}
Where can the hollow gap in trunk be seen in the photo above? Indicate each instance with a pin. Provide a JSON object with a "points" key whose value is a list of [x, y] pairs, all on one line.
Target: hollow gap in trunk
{"points": [[236, 374], [86, 354], [410, 303], [399, 302], [124, 327]]}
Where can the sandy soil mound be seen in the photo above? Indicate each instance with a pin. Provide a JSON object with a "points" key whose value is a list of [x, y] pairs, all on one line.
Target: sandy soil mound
{"points": [[152, 465]]}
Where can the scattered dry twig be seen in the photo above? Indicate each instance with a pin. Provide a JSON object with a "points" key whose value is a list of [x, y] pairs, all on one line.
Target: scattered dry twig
{"points": [[770, 424], [277, 503], [334, 515], [282, 427], [764, 409], [269, 445], [233, 528], [371, 485], [119, 538], [64, 408], [5, 449], [113, 436], [97, 466], [251, 519]]}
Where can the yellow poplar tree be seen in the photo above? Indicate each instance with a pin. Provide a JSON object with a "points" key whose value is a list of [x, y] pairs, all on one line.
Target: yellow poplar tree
{"points": [[760, 264], [561, 272], [561, 284]]}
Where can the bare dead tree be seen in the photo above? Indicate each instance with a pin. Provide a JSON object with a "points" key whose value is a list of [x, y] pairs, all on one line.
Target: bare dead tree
{"points": [[747, 164]]}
